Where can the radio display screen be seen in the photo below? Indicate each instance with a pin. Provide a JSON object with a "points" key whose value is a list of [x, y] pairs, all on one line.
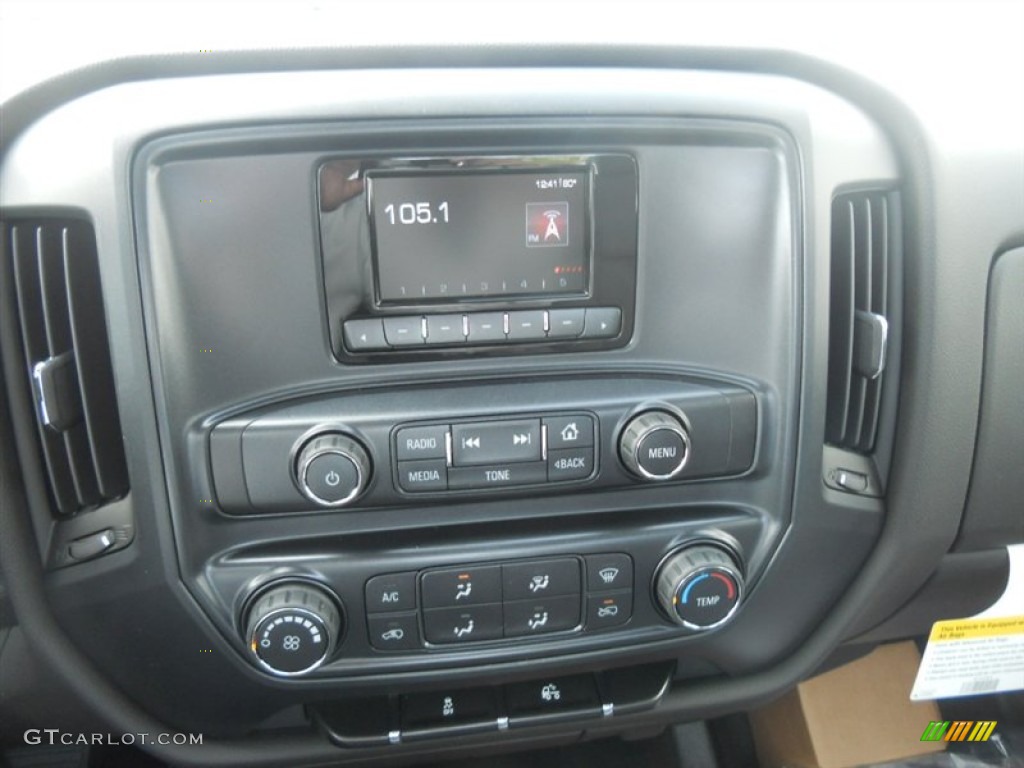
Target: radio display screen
{"points": [[480, 234]]}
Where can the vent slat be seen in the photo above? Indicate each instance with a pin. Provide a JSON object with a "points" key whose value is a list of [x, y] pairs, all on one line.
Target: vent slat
{"points": [[841, 317], [63, 332], [92, 358], [857, 318], [24, 242]]}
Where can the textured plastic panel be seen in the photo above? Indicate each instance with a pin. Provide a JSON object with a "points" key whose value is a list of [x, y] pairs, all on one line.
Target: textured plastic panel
{"points": [[993, 517]]}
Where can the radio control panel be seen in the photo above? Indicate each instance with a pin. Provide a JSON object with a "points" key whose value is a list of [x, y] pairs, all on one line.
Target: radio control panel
{"points": [[476, 455], [403, 445]]}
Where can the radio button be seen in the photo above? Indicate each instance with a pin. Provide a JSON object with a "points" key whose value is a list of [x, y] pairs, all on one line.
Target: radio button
{"points": [[403, 331], [538, 617], [569, 431], [565, 323], [462, 625], [526, 325], [391, 592], [602, 323], [445, 329], [485, 327], [492, 442], [570, 464], [497, 476], [462, 586], [422, 476], [365, 335], [413, 443], [541, 579]]}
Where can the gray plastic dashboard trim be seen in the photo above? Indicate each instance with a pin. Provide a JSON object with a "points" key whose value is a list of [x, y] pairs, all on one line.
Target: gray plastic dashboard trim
{"points": [[705, 699]]}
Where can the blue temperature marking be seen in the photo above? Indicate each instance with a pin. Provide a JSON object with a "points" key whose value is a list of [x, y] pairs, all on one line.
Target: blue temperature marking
{"points": [[692, 584]]}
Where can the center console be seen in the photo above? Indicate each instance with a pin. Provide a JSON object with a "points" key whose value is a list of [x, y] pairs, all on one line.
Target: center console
{"points": [[486, 424]]}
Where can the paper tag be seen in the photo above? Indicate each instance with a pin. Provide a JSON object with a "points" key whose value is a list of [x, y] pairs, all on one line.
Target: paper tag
{"points": [[980, 654]]}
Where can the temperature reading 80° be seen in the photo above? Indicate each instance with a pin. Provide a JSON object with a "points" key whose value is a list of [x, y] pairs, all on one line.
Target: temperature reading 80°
{"points": [[417, 213]]}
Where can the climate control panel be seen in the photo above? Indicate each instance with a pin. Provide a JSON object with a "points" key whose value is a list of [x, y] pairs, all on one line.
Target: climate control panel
{"points": [[460, 605], [293, 625]]}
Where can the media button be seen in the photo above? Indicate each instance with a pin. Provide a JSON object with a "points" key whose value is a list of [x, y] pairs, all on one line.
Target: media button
{"points": [[423, 476], [526, 325], [462, 625], [565, 323], [492, 442], [486, 327], [403, 331], [421, 443], [445, 329]]}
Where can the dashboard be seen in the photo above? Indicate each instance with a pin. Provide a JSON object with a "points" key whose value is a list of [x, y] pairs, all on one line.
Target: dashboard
{"points": [[393, 410]]}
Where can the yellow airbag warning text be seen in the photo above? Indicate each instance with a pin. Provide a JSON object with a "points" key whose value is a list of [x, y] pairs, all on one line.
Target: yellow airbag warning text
{"points": [[972, 656]]}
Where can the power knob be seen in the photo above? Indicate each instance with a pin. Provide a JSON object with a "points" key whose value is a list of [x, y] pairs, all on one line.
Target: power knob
{"points": [[292, 628], [333, 470], [699, 587], [655, 445]]}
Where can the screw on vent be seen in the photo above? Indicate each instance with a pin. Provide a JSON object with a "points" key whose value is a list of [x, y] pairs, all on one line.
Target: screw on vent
{"points": [[292, 628], [333, 470], [699, 587], [655, 446]]}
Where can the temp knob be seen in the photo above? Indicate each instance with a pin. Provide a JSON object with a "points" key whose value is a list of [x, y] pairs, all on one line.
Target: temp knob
{"points": [[292, 628], [699, 587], [655, 446], [332, 470]]}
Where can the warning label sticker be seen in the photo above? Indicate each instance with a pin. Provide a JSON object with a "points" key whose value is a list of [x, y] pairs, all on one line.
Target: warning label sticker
{"points": [[981, 654]]}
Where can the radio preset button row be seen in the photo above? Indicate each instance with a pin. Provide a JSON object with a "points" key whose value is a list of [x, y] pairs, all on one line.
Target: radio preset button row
{"points": [[480, 328], [495, 454]]}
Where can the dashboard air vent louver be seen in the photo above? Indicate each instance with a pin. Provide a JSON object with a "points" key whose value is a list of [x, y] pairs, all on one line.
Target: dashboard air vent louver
{"points": [[64, 336], [858, 325]]}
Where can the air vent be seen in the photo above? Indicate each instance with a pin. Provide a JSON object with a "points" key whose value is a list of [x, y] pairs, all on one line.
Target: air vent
{"points": [[862, 246], [64, 336]]}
